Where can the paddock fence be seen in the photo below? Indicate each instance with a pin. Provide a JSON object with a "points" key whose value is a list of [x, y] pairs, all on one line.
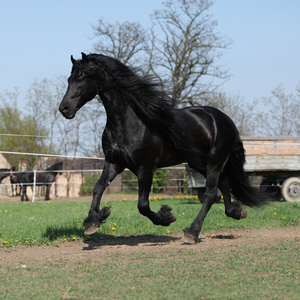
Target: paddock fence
{"points": [[75, 182]]}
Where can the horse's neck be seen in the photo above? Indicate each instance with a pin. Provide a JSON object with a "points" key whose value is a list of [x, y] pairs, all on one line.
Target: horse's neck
{"points": [[117, 109]]}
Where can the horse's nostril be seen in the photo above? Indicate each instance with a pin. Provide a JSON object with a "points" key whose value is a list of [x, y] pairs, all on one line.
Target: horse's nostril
{"points": [[65, 109]]}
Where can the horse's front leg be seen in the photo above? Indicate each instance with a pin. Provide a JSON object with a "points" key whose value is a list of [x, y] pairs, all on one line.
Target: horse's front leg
{"points": [[164, 216], [96, 216], [48, 187], [24, 193]]}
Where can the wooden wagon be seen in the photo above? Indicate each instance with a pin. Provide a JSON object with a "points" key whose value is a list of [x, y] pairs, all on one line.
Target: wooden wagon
{"points": [[272, 162]]}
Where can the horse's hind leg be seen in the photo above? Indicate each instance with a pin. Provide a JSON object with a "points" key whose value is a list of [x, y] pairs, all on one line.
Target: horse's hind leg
{"points": [[96, 216], [164, 216], [210, 194], [233, 209]]}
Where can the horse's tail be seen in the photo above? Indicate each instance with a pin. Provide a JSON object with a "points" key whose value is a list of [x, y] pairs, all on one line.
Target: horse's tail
{"points": [[241, 188]]}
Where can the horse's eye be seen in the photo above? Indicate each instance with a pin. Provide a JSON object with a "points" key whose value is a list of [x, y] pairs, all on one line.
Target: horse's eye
{"points": [[80, 76]]}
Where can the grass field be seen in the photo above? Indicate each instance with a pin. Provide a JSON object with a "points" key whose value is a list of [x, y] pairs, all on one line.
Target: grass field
{"points": [[268, 271], [56, 222]]}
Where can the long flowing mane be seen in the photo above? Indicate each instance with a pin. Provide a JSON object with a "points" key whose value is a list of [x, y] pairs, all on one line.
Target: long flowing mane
{"points": [[143, 92]]}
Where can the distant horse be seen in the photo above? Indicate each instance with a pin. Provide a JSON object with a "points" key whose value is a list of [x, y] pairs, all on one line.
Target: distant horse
{"points": [[143, 132], [4, 173], [46, 177], [15, 181], [12, 176]]}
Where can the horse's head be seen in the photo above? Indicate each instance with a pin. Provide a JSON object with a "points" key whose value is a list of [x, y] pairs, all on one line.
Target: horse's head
{"points": [[59, 166], [82, 87]]}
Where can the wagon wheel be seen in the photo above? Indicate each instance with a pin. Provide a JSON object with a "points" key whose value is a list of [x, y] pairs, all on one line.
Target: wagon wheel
{"points": [[291, 189]]}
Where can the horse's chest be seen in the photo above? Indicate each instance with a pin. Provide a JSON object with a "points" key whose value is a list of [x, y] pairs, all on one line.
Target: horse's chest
{"points": [[124, 149]]}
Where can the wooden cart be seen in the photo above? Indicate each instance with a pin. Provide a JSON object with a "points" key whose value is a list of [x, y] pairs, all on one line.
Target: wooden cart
{"points": [[273, 163]]}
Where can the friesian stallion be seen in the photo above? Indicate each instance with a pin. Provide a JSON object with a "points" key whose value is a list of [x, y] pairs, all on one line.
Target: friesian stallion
{"points": [[143, 132]]}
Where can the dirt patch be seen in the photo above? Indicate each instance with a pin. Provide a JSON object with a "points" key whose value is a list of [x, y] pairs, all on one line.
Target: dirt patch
{"points": [[96, 249]]}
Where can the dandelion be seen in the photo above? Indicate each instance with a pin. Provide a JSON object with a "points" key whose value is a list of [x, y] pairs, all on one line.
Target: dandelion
{"points": [[275, 214], [5, 211], [114, 228], [168, 231], [0, 211], [115, 224]]}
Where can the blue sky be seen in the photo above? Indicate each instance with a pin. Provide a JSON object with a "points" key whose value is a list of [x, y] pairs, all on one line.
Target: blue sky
{"points": [[38, 37]]}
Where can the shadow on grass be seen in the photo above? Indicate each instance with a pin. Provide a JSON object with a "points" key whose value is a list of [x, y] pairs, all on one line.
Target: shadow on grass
{"points": [[133, 240], [101, 239], [56, 233]]}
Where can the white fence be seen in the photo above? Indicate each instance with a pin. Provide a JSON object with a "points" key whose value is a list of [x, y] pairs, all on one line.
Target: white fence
{"points": [[68, 184]]}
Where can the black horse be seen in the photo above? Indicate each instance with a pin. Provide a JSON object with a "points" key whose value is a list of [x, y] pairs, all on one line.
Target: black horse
{"points": [[15, 182], [4, 173], [46, 177], [13, 176], [143, 132]]}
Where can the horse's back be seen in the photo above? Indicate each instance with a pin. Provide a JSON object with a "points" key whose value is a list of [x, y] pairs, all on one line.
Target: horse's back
{"points": [[215, 121]]}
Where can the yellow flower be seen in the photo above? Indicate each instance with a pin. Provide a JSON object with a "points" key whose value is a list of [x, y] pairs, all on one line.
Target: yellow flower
{"points": [[168, 231], [115, 224], [275, 214], [113, 228]]}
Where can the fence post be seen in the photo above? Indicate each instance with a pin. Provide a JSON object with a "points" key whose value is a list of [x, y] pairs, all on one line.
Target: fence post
{"points": [[34, 183]]}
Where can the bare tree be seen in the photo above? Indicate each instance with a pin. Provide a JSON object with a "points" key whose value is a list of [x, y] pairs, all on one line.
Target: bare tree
{"points": [[123, 41], [182, 46], [187, 49], [240, 111], [43, 98], [280, 116]]}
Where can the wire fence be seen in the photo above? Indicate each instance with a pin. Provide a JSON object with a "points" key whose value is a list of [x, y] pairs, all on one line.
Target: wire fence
{"points": [[75, 182], [80, 182]]}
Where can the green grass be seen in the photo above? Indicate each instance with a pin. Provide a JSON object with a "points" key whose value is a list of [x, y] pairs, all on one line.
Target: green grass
{"points": [[188, 272], [56, 222], [268, 272]]}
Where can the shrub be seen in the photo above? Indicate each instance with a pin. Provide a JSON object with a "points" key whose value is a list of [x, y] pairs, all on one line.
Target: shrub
{"points": [[86, 188]]}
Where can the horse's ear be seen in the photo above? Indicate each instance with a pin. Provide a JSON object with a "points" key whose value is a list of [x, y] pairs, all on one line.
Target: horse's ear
{"points": [[84, 56], [73, 60]]}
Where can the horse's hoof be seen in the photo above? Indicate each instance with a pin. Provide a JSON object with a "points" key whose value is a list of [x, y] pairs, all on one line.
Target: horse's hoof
{"points": [[90, 229], [243, 213], [173, 218], [189, 239]]}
